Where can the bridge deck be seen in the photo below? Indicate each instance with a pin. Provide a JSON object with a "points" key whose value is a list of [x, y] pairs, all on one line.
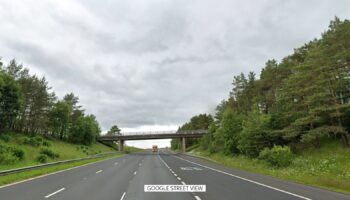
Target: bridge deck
{"points": [[154, 135]]}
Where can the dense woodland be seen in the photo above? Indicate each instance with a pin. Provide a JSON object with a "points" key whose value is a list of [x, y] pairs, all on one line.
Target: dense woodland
{"points": [[28, 105], [295, 103]]}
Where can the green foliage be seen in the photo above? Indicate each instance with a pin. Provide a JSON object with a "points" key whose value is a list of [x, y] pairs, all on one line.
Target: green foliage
{"points": [[229, 131], [33, 141], [42, 158], [49, 153], [85, 130], [8, 158], [278, 156], [59, 119], [5, 137], [256, 134], [10, 155], [10, 101], [114, 131]]}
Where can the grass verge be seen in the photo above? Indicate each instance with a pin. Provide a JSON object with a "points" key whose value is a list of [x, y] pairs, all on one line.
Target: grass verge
{"points": [[11, 178], [327, 168]]}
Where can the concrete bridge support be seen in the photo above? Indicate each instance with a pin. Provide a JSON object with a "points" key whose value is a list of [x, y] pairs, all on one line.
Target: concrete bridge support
{"points": [[120, 145], [183, 144]]}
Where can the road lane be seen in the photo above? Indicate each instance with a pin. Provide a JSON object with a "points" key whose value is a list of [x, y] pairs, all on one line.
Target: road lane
{"points": [[219, 182], [154, 171], [124, 178]]}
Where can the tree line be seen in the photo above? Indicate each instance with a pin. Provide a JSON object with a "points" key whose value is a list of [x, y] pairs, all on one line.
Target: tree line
{"points": [[296, 102], [28, 105]]}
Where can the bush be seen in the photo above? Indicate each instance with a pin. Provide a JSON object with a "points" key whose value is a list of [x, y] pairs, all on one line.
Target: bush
{"points": [[46, 143], [277, 156], [5, 137], [49, 153], [41, 158], [8, 158], [10, 155], [19, 153], [31, 141]]}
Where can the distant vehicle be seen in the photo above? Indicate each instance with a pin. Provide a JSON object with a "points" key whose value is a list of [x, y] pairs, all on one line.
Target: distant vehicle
{"points": [[154, 148]]}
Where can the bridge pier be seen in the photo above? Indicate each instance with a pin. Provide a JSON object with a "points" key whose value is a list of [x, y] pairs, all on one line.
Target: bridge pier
{"points": [[120, 145], [183, 144]]}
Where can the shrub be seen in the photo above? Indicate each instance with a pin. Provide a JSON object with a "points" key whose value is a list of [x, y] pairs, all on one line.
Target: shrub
{"points": [[10, 155], [49, 153], [5, 137], [41, 158], [19, 153], [277, 156], [31, 141], [46, 143], [8, 158]]}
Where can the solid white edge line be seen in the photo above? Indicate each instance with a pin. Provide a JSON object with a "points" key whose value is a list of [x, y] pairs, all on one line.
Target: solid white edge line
{"points": [[122, 196], [245, 179], [50, 195], [197, 198], [44, 175], [99, 171]]}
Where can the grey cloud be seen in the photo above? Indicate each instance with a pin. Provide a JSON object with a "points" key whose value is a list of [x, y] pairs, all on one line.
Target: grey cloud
{"points": [[136, 63]]}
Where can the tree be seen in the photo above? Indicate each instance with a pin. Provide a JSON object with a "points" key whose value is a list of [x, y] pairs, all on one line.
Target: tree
{"points": [[59, 117], [10, 101], [114, 131], [85, 131], [229, 131]]}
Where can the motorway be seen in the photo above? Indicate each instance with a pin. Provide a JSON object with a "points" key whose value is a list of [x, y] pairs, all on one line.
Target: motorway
{"points": [[124, 178]]}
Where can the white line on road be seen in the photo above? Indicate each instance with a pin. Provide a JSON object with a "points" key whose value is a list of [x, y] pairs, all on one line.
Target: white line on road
{"points": [[197, 198], [135, 172], [175, 174], [99, 171], [178, 178], [183, 183], [60, 190], [122, 196], [245, 179]]}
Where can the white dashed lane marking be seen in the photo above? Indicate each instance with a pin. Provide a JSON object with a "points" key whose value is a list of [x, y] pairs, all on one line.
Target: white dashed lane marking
{"points": [[50, 195]]}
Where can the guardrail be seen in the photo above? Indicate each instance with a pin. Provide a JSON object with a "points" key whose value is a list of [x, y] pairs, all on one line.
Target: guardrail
{"points": [[11, 171]]}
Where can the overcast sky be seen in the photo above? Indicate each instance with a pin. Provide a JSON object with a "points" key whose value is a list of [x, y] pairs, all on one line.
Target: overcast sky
{"points": [[151, 65]]}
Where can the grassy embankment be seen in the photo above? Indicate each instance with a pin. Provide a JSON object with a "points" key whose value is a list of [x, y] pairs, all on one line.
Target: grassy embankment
{"points": [[63, 150], [327, 167]]}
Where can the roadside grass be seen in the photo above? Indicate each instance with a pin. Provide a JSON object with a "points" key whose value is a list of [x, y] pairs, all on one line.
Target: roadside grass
{"points": [[65, 150], [11, 178], [327, 167]]}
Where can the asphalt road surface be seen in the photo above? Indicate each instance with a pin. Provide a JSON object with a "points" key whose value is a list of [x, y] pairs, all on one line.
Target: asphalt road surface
{"points": [[124, 178]]}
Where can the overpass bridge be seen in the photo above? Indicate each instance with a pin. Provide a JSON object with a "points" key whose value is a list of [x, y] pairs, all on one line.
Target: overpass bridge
{"points": [[153, 135]]}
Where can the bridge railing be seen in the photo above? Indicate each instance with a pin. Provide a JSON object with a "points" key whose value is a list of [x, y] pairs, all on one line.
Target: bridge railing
{"points": [[160, 133]]}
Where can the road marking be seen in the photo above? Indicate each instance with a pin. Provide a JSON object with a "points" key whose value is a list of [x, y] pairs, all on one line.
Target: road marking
{"points": [[135, 172], [178, 178], [99, 171], [122, 196], [175, 174], [245, 179], [60, 190], [183, 183], [197, 198], [49, 174]]}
